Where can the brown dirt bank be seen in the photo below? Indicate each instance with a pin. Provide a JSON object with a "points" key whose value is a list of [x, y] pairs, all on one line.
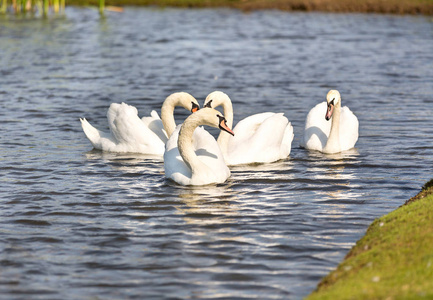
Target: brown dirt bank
{"points": [[362, 6]]}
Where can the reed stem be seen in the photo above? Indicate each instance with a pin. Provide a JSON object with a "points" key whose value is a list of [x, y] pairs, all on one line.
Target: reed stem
{"points": [[101, 6], [56, 5], [45, 8], [4, 7], [38, 4], [32, 6]]}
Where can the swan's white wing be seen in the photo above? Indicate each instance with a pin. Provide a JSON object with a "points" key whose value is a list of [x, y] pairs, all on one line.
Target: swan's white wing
{"points": [[286, 144], [317, 129], [270, 141], [208, 151], [348, 129], [155, 124], [127, 132], [247, 127]]}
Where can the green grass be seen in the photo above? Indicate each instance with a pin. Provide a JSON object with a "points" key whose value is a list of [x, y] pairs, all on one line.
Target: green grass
{"points": [[394, 260]]}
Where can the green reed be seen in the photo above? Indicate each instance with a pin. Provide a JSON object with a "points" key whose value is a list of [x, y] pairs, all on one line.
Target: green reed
{"points": [[41, 7], [22, 7], [101, 6]]}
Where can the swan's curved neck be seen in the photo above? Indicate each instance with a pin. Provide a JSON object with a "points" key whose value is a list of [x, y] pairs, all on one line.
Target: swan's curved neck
{"points": [[185, 143], [223, 138], [167, 112], [333, 143]]}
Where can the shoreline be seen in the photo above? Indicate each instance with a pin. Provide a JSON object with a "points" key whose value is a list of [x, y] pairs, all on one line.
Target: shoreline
{"points": [[392, 260], [410, 7]]}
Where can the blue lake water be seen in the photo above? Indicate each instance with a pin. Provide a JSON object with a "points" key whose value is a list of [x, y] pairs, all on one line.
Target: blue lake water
{"points": [[77, 223]]}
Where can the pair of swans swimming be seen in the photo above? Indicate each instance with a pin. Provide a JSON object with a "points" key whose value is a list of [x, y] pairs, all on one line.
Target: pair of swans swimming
{"points": [[191, 154]]}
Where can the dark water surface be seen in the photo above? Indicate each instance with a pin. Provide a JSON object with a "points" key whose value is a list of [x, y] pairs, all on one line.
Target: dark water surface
{"points": [[82, 224]]}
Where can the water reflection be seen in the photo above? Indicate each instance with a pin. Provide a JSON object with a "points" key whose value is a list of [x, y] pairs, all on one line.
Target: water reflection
{"points": [[335, 157], [126, 158], [337, 179], [213, 204], [278, 171]]}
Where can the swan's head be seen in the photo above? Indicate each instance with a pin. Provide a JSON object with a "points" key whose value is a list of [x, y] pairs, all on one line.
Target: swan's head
{"points": [[215, 99], [214, 118], [183, 99], [333, 99], [190, 103], [194, 106]]}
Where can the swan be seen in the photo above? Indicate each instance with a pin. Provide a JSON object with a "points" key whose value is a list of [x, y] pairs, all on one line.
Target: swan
{"points": [[336, 136], [192, 155], [260, 138], [130, 134]]}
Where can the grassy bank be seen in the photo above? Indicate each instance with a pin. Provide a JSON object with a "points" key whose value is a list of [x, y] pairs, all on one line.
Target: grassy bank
{"points": [[378, 6], [394, 260]]}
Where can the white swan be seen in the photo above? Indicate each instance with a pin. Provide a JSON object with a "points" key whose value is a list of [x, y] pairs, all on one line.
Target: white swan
{"points": [[129, 133], [260, 138], [192, 155], [338, 135]]}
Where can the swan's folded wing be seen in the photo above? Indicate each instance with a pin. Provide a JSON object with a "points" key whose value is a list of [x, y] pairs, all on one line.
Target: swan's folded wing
{"points": [[286, 143], [115, 110], [129, 129], [207, 148], [155, 124], [268, 139], [247, 127], [316, 129], [267, 143], [349, 127], [153, 117]]}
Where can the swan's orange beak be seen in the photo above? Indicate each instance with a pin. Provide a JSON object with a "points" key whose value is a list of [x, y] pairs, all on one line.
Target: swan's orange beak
{"points": [[194, 107], [223, 126], [329, 111]]}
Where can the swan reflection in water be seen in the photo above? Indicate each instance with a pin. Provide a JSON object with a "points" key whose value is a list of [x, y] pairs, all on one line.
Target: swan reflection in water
{"points": [[277, 171], [128, 158], [127, 162], [335, 180], [206, 205], [133, 173]]}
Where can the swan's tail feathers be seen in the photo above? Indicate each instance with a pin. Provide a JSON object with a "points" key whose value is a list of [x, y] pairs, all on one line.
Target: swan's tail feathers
{"points": [[93, 134]]}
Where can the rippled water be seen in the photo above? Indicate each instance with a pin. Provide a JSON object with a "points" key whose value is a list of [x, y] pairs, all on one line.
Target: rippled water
{"points": [[81, 224]]}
